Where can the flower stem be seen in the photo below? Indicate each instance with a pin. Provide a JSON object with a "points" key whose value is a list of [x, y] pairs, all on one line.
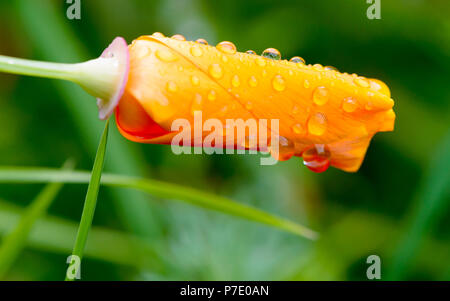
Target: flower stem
{"points": [[36, 68], [97, 77], [104, 78]]}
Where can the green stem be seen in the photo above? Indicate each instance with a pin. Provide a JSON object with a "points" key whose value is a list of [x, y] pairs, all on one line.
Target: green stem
{"points": [[98, 77], [89, 206], [36, 68]]}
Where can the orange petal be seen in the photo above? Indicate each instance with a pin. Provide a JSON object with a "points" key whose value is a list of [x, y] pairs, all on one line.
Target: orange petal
{"points": [[171, 78]]}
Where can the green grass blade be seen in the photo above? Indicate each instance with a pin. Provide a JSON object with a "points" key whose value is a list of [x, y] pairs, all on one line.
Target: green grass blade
{"points": [[13, 243], [91, 197], [160, 189], [55, 235], [429, 205], [209, 201]]}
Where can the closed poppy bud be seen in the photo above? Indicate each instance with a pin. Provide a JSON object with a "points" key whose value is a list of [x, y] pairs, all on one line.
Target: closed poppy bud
{"points": [[325, 116]]}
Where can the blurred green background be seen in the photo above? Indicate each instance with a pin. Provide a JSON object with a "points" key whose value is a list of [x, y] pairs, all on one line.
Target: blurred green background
{"points": [[396, 206]]}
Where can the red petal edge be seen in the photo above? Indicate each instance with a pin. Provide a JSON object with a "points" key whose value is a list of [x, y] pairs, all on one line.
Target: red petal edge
{"points": [[119, 49]]}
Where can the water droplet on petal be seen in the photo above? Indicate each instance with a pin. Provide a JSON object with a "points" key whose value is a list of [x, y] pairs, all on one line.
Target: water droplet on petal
{"points": [[271, 53], [158, 35], [278, 83], [261, 62], [226, 47], [166, 55], [284, 151], [196, 103], [252, 81], [235, 82], [298, 129], [378, 85], [171, 86], [264, 73], [248, 105], [349, 105], [216, 71], [331, 68], [306, 84], [195, 80], [318, 67], [297, 59], [202, 41], [317, 158], [295, 110], [320, 96], [179, 37], [142, 52], [317, 124], [196, 51], [212, 95], [250, 52], [362, 82]]}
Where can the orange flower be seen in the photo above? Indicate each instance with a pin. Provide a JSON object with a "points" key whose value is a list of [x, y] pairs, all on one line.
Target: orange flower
{"points": [[325, 116]]}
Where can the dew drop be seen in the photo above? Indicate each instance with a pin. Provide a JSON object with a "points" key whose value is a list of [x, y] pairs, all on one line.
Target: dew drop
{"points": [[196, 51], [261, 62], [196, 103], [317, 124], [179, 37], [216, 71], [166, 55], [320, 96], [212, 95], [295, 110], [249, 105], [171, 87], [297, 129], [142, 52], [349, 105], [202, 41], [278, 83], [235, 82], [250, 52], [226, 47], [297, 59], [362, 82], [271, 53], [317, 158], [195, 80], [378, 85], [318, 67], [306, 84], [158, 35], [252, 81], [331, 68]]}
